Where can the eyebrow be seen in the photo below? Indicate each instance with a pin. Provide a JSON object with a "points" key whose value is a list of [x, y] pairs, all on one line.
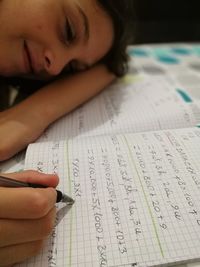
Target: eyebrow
{"points": [[85, 23]]}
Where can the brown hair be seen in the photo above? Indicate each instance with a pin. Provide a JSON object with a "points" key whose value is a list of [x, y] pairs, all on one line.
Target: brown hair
{"points": [[122, 14]]}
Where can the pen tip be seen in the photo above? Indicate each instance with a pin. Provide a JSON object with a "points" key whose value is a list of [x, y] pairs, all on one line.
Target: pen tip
{"points": [[67, 200]]}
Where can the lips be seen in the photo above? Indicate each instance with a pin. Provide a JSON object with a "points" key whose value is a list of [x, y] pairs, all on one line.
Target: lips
{"points": [[27, 59]]}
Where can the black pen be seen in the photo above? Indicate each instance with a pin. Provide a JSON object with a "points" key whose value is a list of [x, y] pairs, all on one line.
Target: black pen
{"points": [[8, 182]]}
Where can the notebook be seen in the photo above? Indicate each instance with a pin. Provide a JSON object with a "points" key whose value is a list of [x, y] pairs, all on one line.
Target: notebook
{"points": [[130, 159]]}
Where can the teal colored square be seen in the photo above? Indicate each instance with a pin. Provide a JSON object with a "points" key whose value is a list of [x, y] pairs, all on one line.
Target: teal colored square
{"points": [[138, 52], [197, 50]]}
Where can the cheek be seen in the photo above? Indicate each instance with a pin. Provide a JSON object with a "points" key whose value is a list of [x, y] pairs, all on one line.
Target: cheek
{"points": [[40, 31], [39, 27], [37, 32]]}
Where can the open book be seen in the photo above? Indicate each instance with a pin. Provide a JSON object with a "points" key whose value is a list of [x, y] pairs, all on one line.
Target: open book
{"points": [[130, 159]]}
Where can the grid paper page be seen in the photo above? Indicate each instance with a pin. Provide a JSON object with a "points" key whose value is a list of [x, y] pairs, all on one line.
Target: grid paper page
{"points": [[137, 199], [15, 164], [143, 105]]}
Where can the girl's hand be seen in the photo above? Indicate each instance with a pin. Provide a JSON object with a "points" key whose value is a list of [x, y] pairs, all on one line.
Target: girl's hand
{"points": [[26, 217]]}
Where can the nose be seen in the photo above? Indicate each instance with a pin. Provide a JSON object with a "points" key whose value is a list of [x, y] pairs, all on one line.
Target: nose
{"points": [[54, 63]]}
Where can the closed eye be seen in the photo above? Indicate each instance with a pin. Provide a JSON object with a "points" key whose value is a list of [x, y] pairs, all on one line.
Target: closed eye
{"points": [[70, 34]]}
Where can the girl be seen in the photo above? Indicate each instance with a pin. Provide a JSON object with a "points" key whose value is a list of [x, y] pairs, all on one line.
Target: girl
{"points": [[67, 46]]}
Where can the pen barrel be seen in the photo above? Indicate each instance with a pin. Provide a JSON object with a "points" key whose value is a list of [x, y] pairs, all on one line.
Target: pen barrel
{"points": [[6, 182], [36, 185]]}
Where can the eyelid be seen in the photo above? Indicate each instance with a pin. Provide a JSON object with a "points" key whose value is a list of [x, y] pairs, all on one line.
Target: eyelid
{"points": [[69, 27]]}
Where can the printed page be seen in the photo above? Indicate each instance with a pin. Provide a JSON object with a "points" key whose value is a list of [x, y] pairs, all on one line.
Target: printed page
{"points": [[129, 106], [137, 199]]}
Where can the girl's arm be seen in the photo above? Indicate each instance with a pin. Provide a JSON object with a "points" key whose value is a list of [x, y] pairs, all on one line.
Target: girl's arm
{"points": [[23, 123], [66, 94]]}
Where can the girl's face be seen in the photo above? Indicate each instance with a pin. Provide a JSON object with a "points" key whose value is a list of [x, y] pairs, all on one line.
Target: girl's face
{"points": [[39, 38]]}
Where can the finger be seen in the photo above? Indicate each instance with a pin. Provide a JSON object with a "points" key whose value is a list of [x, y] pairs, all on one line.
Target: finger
{"points": [[18, 253], [14, 232], [31, 176], [26, 203]]}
